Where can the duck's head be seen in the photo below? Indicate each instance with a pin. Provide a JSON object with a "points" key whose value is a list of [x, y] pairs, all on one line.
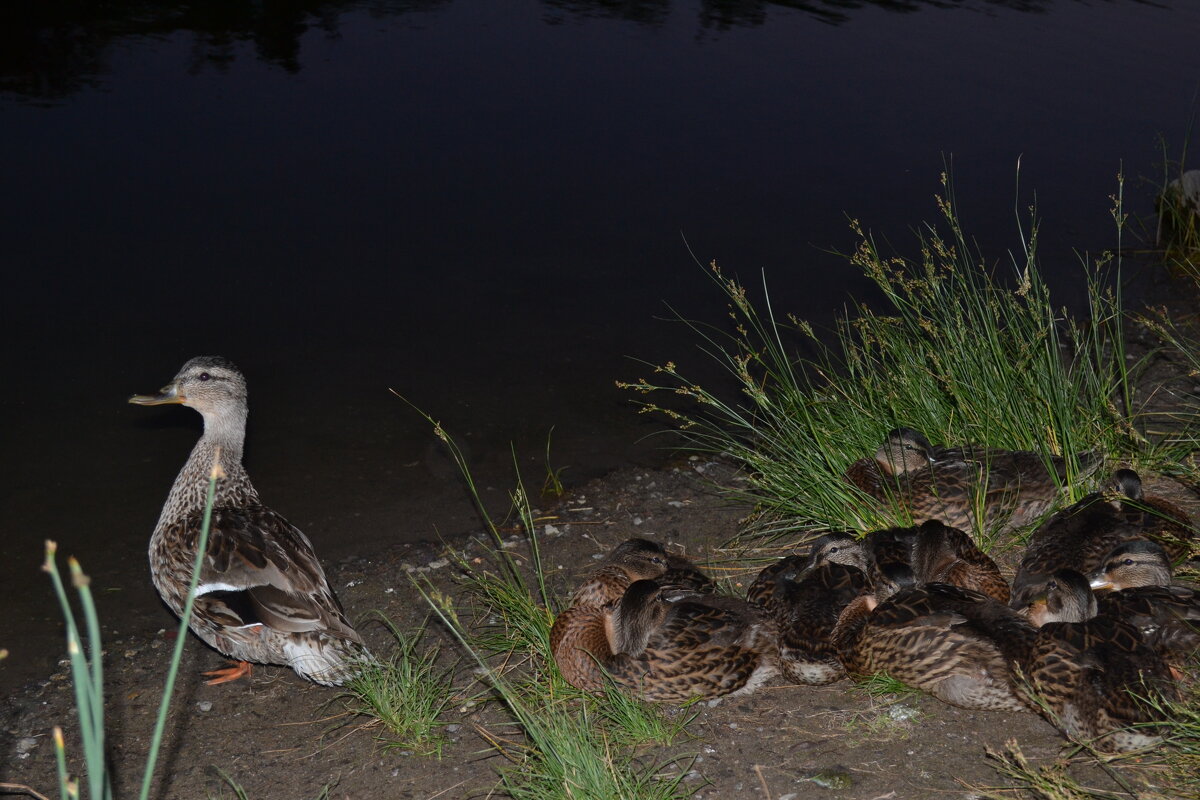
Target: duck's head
{"points": [[1140, 562], [641, 558], [1066, 597], [904, 450], [837, 547], [210, 384], [642, 609], [1125, 484]]}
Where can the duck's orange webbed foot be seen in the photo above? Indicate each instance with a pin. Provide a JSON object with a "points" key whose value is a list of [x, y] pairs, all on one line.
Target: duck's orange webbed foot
{"points": [[235, 670]]}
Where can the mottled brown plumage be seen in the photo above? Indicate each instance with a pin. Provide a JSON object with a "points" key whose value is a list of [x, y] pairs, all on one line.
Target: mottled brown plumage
{"points": [[942, 554], [262, 595], [939, 638], [1079, 537], [805, 602], [666, 645], [1134, 584], [1013, 488], [1088, 668], [634, 560]]}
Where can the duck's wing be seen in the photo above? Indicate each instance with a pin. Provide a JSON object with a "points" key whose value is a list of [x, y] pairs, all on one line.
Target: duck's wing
{"points": [[1168, 617], [774, 580], [699, 622], [259, 568]]}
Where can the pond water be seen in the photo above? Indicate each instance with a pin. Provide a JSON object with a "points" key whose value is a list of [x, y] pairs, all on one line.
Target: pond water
{"points": [[488, 207]]}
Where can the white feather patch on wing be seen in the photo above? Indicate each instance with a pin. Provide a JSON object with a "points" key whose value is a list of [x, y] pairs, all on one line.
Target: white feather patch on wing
{"points": [[209, 588]]}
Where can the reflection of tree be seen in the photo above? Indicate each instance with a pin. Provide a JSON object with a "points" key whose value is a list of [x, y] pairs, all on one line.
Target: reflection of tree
{"points": [[52, 48], [49, 50], [647, 12]]}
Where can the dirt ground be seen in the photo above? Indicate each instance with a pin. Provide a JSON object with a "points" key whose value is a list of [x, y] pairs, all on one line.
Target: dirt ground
{"points": [[280, 737]]}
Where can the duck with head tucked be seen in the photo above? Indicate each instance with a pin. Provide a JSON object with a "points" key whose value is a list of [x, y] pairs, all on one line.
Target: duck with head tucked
{"points": [[943, 639], [666, 645], [804, 596], [634, 560], [262, 596], [1012, 488]]}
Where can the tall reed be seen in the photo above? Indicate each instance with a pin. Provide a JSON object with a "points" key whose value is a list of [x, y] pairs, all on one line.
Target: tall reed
{"points": [[87, 671], [960, 351]]}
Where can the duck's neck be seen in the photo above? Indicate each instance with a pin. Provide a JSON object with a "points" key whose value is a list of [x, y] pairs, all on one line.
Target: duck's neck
{"points": [[221, 445]]}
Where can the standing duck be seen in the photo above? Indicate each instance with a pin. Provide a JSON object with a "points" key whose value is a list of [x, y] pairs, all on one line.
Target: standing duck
{"points": [[1012, 488], [666, 645], [262, 596]]}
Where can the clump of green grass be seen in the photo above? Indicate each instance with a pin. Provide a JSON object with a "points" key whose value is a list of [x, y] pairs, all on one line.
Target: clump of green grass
{"points": [[635, 722], [405, 695], [1177, 207], [569, 757], [883, 685], [962, 352], [1181, 735], [552, 754]]}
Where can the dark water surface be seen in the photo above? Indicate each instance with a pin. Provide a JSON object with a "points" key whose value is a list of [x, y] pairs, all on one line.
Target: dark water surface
{"points": [[482, 205]]}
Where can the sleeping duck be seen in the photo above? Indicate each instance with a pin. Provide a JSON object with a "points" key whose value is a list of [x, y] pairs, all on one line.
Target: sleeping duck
{"points": [[262, 596], [634, 560], [804, 595], [943, 639], [666, 645], [969, 487]]}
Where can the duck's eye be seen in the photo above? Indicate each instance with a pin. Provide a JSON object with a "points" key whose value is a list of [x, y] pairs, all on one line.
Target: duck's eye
{"points": [[204, 376], [1052, 585], [1128, 562]]}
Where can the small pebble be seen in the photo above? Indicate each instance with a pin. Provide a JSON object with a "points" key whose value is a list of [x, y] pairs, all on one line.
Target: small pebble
{"points": [[551, 530], [204, 705], [453, 728], [26, 744]]}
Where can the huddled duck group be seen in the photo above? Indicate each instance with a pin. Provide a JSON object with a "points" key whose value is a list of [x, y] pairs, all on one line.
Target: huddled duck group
{"points": [[1089, 630], [1090, 622]]}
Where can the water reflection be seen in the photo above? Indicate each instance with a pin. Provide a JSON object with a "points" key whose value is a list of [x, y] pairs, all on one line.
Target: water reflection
{"points": [[49, 51]]}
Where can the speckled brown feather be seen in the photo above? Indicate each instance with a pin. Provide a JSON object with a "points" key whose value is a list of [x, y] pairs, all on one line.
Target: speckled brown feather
{"points": [[1090, 676], [942, 554], [634, 560], [805, 607], [693, 646], [1014, 488], [262, 595], [1081, 536], [938, 638]]}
